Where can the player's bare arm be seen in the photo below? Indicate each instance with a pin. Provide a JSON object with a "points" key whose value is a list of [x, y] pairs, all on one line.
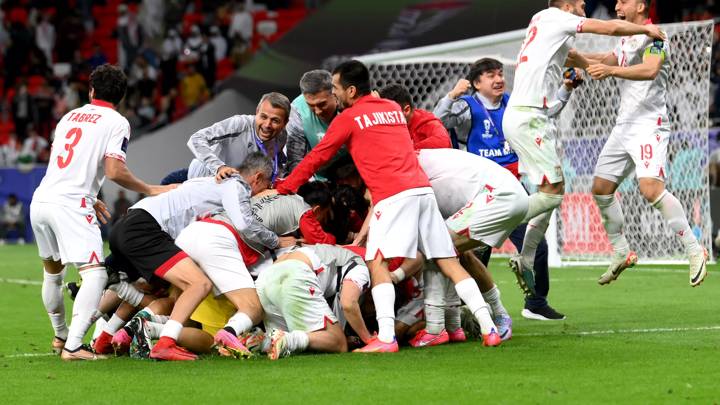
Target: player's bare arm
{"points": [[620, 28], [583, 60], [647, 70], [117, 171], [350, 302]]}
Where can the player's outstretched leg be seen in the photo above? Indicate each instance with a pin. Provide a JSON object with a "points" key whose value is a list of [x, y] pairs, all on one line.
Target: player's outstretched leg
{"points": [[674, 214], [490, 293], [613, 220]]}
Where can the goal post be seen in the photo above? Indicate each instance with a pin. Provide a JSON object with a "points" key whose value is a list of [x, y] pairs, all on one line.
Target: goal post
{"points": [[577, 234]]}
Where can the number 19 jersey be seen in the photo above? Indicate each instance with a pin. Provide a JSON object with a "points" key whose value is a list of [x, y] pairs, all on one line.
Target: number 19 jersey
{"points": [[542, 56], [84, 137]]}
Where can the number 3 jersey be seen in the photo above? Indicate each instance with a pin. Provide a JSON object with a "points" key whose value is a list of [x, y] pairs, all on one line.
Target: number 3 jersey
{"points": [[542, 56], [84, 137], [642, 101]]}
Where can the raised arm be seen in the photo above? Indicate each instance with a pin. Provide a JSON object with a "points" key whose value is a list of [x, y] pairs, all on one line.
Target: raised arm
{"points": [[620, 28]]}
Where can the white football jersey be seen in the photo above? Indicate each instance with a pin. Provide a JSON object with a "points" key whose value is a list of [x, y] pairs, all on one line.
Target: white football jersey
{"points": [[642, 101], [542, 56], [201, 197], [457, 177], [84, 137]]}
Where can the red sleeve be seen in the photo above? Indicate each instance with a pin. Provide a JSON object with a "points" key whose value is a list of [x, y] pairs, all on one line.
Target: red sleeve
{"points": [[312, 231], [432, 135], [337, 134]]}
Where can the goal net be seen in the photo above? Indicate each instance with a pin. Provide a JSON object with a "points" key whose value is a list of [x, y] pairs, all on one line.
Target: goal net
{"points": [[578, 236]]}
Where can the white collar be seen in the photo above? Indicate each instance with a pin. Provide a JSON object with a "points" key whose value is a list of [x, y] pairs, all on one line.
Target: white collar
{"points": [[487, 102]]}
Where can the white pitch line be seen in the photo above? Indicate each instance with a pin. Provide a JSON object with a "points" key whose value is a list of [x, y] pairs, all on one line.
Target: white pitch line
{"points": [[27, 355], [619, 331], [20, 281]]}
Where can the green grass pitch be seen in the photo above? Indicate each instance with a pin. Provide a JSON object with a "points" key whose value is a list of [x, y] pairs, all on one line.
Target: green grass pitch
{"points": [[648, 338]]}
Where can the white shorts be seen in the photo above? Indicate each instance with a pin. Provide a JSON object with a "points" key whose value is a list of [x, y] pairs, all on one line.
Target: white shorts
{"points": [[642, 147], [71, 235], [407, 222], [215, 249], [492, 215], [291, 296], [533, 136]]}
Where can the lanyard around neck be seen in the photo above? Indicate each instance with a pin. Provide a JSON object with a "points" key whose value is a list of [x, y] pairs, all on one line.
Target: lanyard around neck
{"points": [[262, 148]]}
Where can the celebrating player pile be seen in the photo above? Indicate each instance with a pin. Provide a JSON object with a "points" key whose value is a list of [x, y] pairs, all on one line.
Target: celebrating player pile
{"points": [[223, 263]]}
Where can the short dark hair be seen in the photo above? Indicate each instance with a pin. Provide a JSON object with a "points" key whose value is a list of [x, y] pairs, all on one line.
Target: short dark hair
{"points": [[316, 193], [397, 93], [109, 83], [276, 100], [354, 73], [481, 66]]}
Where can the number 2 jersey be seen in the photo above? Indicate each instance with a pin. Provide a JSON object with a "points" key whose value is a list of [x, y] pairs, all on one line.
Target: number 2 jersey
{"points": [[542, 56], [642, 101], [84, 137]]}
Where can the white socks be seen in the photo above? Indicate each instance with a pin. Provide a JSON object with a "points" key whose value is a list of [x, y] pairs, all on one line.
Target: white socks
{"points": [[52, 297], [434, 284], [155, 318], [240, 323], [86, 305], [541, 202], [384, 297], [128, 293], [533, 236], [297, 341], [154, 329], [469, 292], [674, 214], [492, 297], [613, 221], [114, 324], [171, 329]]}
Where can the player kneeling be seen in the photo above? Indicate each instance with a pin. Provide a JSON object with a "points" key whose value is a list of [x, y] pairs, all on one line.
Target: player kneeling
{"points": [[294, 293]]}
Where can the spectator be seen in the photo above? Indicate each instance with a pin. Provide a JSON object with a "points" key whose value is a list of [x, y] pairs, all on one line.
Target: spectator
{"points": [[206, 62], [97, 58], [146, 111], [13, 219], [151, 13], [143, 77], [219, 43], [35, 148], [128, 35], [241, 26], [10, 151], [21, 110], [193, 89], [193, 45], [171, 48], [121, 206], [43, 101], [45, 38]]}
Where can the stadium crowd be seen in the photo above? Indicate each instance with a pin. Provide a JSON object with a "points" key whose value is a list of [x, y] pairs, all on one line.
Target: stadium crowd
{"points": [[174, 53]]}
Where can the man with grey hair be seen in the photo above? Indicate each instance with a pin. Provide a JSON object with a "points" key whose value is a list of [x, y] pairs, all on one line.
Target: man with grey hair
{"points": [[312, 112], [221, 147]]}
